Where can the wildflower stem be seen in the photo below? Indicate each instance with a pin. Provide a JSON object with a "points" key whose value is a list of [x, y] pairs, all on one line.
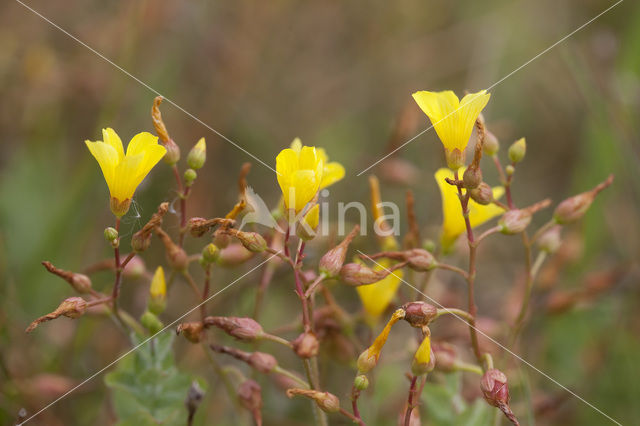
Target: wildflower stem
{"points": [[187, 276], [351, 417], [205, 292], [410, 401], [454, 311], [355, 394], [291, 375], [276, 339], [314, 285], [471, 276], [487, 233], [544, 228], [453, 269]]}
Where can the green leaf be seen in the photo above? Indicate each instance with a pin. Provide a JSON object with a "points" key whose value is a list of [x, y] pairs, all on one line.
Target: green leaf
{"points": [[147, 387]]}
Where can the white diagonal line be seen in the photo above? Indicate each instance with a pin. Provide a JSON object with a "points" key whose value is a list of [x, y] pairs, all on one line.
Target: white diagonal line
{"points": [[496, 83], [146, 85], [524, 361], [97, 373]]}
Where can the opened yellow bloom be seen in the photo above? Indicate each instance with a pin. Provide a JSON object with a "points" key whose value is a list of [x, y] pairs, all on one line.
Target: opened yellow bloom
{"points": [[453, 222], [332, 171], [453, 119], [300, 173], [124, 172], [377, 296]]}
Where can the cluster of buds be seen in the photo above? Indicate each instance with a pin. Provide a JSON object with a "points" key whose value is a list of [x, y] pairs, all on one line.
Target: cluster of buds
{"points": [[331, 263], [326, 401], [496, 392], [243, 329], [80, 282], [72, 307], [141, 240], [259, 361]]}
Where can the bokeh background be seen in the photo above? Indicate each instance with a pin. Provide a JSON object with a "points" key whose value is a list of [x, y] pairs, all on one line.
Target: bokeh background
{"points": [[338, 75]]}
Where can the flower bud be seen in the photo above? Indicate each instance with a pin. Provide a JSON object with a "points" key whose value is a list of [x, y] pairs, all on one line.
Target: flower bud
{"points": [[419, 314], [445, 356], [250, 397], [190, 176], [494, 387], [172, 156], [361, 382], [332, 261], [306, 345], [198, 155], [326, 401], [307, 226], [514, 221], [244, 329], [429, 245], [423, 361], [420, 260], [472, 177], [176, 256], [221, 238], [550, 240], [72, 307], [80, 282], [234, 255], [111, 235], [491, 144], [252, 241], [517, 150], [572, 209], [157, 292], [135, 268], [482, 195], [509, 170], [369, 358], [192, 331], [455, 158], [210, 253], [262, 362], [355, 274], [151, 322]]}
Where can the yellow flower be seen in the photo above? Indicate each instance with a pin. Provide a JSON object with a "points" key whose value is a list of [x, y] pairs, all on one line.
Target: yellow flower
{"points": [[377, 296], [300, 172], [422, 362], [332, 171], [453, 222], [124, 173], [453, 119]]}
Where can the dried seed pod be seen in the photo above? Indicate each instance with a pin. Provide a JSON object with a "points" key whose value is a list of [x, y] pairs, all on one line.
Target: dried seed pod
{"points": [[244, 329], [419, 314], [574, 208], [331, 263], [306, 345], [326, 401], [80, 282], [73, 307], [192, 331]]}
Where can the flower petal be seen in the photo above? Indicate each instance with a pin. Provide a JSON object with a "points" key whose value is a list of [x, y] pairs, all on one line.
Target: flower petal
{"points": [[127, 177], [107, 158], [305, 186], [332, 173], [140, 142], [377, 296], [111, 138]]}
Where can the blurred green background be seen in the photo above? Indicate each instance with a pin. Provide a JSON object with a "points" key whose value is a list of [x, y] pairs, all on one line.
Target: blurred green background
{"points": [[336, 74]]}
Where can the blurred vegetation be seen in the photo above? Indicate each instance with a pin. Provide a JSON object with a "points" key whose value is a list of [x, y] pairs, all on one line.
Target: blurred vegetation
{"points": [[336, 74]]}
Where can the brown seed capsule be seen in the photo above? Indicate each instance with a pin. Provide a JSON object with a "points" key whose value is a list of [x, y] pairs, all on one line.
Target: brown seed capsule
{"points": [[252, 241], [192, 331], [355, 274], [419, 314], [72, 307], [514, 221], [331, 263], [483, 194], [176, 256], [572, 209], [263, 362], [306, 345], [80, 282], [472, 177], [244, 329], [325, 400]]}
